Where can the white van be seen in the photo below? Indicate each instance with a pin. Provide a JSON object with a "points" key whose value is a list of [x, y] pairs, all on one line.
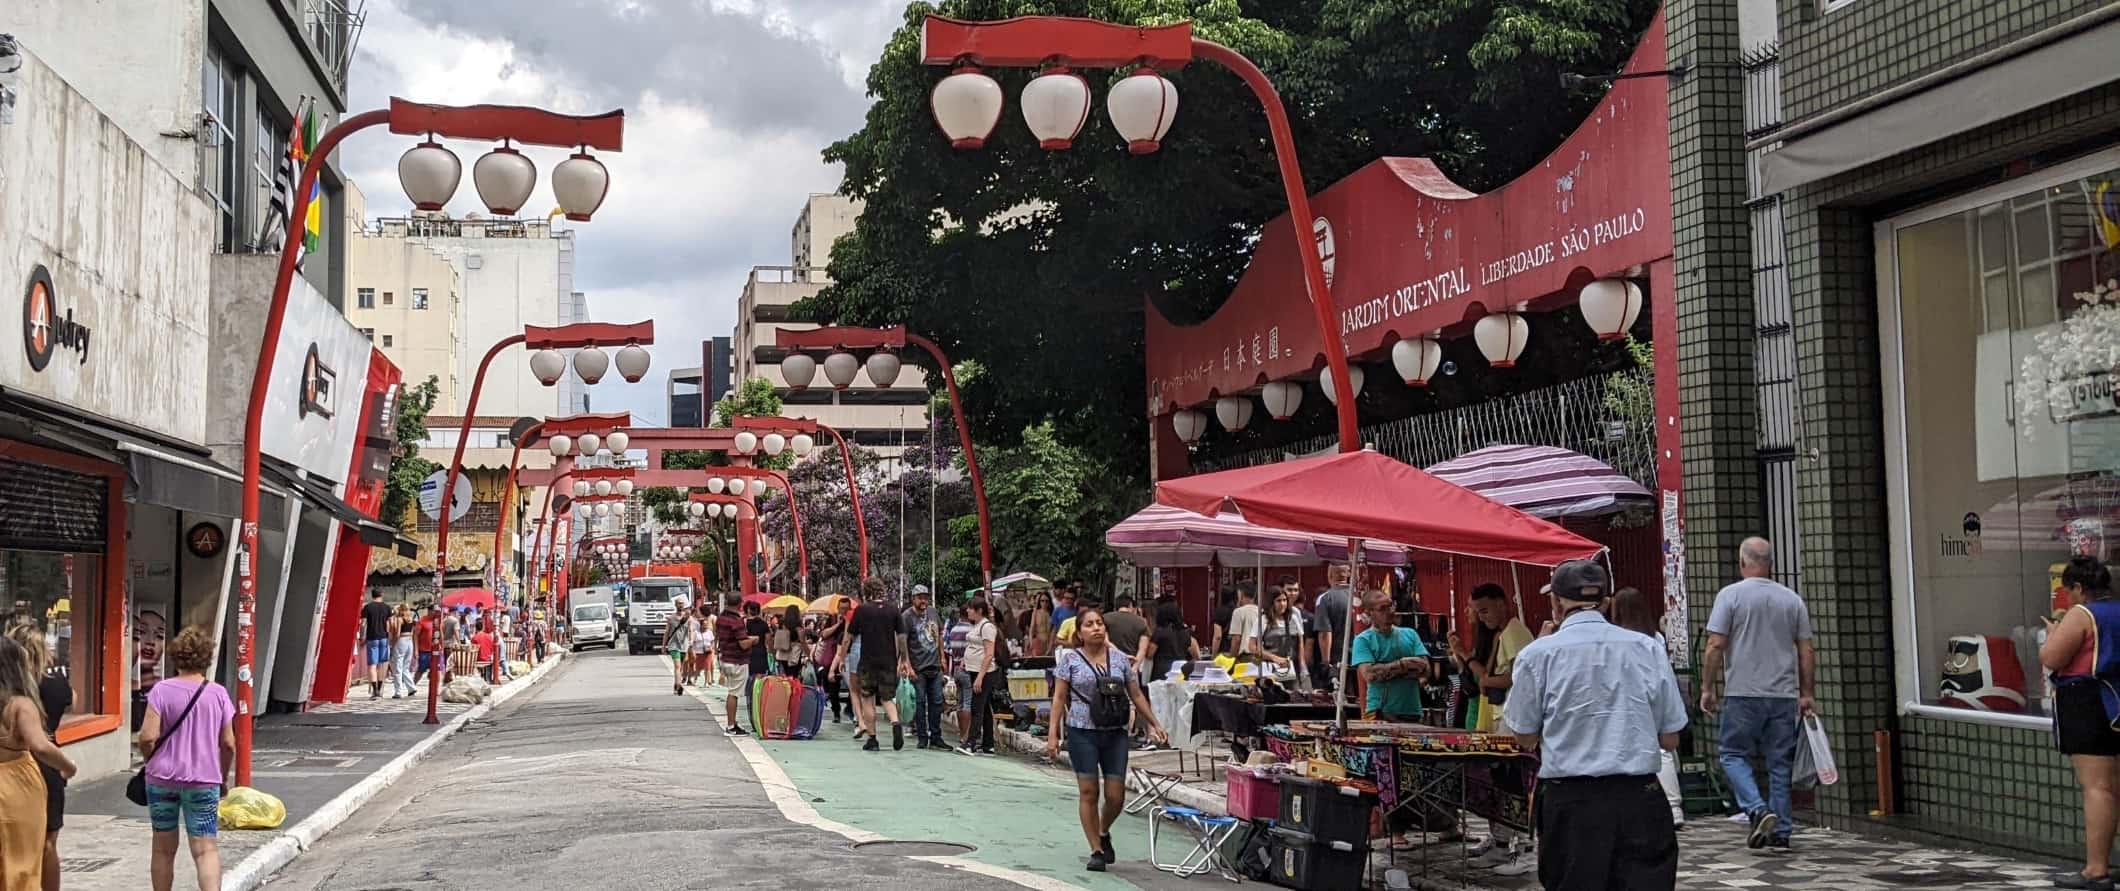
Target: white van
{"points": [[589, 613]]}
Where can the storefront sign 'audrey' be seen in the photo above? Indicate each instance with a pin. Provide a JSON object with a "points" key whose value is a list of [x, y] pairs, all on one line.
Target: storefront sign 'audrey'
{"points": [[44, 329]]}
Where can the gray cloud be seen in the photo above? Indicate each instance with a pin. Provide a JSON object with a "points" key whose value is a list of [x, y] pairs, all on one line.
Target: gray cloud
{"points": [[746, 74]]}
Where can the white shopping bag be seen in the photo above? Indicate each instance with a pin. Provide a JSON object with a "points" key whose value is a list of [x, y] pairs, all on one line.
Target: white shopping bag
{"points": [[1814, 755]]}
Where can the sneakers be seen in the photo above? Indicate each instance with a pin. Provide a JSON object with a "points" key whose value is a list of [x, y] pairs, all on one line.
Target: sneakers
{"points": [[1096, 863], [1778, 843], [734, 730], [986, 752], [897, 737], [1111, 855], [962, 750], [1479, 850], [871, 745], [1521, 863], [1494, 856], [1763, 824], [2079, 880]]}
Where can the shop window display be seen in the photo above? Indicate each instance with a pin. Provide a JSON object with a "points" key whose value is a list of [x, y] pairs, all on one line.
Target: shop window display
{"points": [[2008, 308], [64, 593]]}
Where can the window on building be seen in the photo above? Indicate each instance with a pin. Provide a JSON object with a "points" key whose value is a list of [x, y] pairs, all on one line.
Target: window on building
{"points": [[220, 121], [419, 298], [390, 341], [268, 146], [368, 333], [364, 298], [389, 298], [2008, 332]]}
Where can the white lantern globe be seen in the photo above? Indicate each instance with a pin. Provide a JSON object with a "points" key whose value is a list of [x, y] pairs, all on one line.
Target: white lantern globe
{"points": [[624, 488], [883, 368], [1234, 412], [840, 369], [429, 174], [1055, 104], [603, 510], [1354, 374], [1142, 107], [799, 369], [590, 444], [548, 366], [730, 511], [966, 105], [561, 445], [591, 363], [1501, 337], [617, 442], [758, 487], [1416, 359], [801, 444], [716, 485], [1188, 424], [696, 509], [581, 488], [633, 361], [580, 183], [602, 487], [1611, 306], [746, 442], [504, 179], [774, 443], [1282, 398]]}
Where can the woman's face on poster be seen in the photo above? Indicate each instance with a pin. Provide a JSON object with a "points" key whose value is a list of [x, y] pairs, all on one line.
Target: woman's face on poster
{"points": [[150, 633]]}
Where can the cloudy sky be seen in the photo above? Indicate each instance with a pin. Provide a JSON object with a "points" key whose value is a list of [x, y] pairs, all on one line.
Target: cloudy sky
{"points": [[728, 105]]}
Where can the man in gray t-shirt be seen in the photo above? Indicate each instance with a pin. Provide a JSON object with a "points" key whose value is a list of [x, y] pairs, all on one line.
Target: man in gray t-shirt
{"points": [[1761, 631], [1329, 624], [923, 644]]}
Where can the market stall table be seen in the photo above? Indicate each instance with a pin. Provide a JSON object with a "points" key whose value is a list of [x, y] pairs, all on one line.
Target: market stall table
{"points": [[1245, 720], [1417, 766]]}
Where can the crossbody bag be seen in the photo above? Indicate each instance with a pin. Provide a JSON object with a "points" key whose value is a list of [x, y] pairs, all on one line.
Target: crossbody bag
{"points": [[136, 789]]}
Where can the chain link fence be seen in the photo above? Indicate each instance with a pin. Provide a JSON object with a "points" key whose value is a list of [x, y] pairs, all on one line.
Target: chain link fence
{"points": [[1611, 418]]}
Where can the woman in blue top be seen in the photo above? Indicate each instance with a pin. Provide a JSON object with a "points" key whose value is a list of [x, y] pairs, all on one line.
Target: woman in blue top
{"points": [[1097, 716]]}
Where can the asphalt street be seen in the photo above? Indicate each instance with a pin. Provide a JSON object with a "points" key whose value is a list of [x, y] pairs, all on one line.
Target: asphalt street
{"points": [[598, 778]]}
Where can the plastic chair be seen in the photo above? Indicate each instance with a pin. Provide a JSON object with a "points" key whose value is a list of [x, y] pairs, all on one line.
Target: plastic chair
{"points": [[1210, 834]]}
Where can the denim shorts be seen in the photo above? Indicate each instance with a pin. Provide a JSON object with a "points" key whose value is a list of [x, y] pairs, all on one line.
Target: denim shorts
{"points": [[200, 808], [964, 691], [1095, 751], [378, 651]]}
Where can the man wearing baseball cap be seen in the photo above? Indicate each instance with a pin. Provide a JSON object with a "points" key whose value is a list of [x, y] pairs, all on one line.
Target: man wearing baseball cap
{"points": [[923, 643], [1598, 702]]}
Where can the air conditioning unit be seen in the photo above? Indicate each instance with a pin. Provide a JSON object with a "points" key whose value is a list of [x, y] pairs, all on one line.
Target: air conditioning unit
{"points": [[474, 261]]}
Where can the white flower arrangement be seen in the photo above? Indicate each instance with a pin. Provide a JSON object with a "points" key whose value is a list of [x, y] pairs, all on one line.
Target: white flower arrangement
{"points": [[2084, 346]]}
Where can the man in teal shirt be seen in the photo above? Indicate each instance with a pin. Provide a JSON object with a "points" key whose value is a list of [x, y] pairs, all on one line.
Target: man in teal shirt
{"points": [[1392, 661]]}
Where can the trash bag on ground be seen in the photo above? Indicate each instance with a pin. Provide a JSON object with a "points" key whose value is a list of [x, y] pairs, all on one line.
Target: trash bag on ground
{"points": [[465, 689], [518, 668], [247, 808]]}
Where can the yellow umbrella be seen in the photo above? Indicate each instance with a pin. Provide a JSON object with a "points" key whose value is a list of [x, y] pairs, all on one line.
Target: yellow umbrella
{"points": [[783, 602], [830, 604]]}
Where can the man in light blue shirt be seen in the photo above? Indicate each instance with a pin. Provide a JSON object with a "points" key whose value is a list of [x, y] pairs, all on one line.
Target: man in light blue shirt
{"points": [[1598, 702]]}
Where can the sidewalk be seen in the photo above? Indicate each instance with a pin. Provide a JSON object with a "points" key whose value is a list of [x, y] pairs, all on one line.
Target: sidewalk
{"points": [[1712, 855], [322, 764]]}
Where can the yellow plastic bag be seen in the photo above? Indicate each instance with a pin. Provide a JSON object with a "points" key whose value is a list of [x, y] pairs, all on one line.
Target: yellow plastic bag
{"points": [[1226, 662], [247, 808]]}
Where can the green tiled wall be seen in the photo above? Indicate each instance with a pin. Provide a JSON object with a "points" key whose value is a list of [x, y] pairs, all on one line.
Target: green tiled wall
{"points": [[1980, 783], [1833, 58]]}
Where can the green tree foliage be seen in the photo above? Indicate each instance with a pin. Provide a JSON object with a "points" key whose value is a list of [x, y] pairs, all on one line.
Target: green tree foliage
{"points": [[1049, 503], [1038, 264], [407, 468]]}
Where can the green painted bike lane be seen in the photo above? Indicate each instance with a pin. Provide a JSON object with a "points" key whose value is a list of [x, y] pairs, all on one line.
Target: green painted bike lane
{"points": [[1018, 815]]}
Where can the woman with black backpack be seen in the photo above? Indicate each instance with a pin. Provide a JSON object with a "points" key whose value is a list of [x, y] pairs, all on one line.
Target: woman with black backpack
{"points": [[1101, 690]]}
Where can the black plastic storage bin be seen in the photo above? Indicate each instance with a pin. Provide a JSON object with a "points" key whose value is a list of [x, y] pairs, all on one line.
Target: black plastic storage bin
{"points": [[1299, 860], [1326, 811]]}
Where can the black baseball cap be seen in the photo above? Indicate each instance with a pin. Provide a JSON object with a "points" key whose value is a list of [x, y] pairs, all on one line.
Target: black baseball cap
{"points": [[1582, 580]]}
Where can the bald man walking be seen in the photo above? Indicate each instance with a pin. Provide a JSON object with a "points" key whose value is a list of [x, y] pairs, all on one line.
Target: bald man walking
{"points": [[1761, 631]]}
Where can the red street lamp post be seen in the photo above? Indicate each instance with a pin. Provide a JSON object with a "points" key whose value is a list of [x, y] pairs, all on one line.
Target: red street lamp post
{"points": [[758, 478], [804, 429], [430, 174], [967, 104], [896, 338]]}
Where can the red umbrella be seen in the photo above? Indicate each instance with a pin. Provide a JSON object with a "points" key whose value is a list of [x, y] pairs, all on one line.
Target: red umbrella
{"points": [[478, 597], [1367, 495]]}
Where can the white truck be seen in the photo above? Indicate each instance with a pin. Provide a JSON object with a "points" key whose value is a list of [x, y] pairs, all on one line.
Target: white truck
{"points": [[592, 616], [649, 602]]}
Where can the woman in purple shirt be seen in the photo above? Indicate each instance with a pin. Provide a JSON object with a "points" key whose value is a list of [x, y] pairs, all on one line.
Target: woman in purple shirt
{"points": [[186, 768]]}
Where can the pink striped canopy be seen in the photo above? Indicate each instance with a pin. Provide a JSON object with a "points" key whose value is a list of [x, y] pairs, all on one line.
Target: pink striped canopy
{"points": [[1544, 481], [1160, 535]]}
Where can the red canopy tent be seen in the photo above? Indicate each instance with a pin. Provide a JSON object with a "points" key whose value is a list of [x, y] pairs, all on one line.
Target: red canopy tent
{"points": [[1367, 495], [474, 597]]}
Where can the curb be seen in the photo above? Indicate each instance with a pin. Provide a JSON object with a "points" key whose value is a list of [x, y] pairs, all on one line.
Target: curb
{"points": [[1204, 801], [253, 870]]}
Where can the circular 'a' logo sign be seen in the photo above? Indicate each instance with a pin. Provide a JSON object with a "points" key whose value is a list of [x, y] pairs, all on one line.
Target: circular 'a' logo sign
{"points": [[39, 330]]}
